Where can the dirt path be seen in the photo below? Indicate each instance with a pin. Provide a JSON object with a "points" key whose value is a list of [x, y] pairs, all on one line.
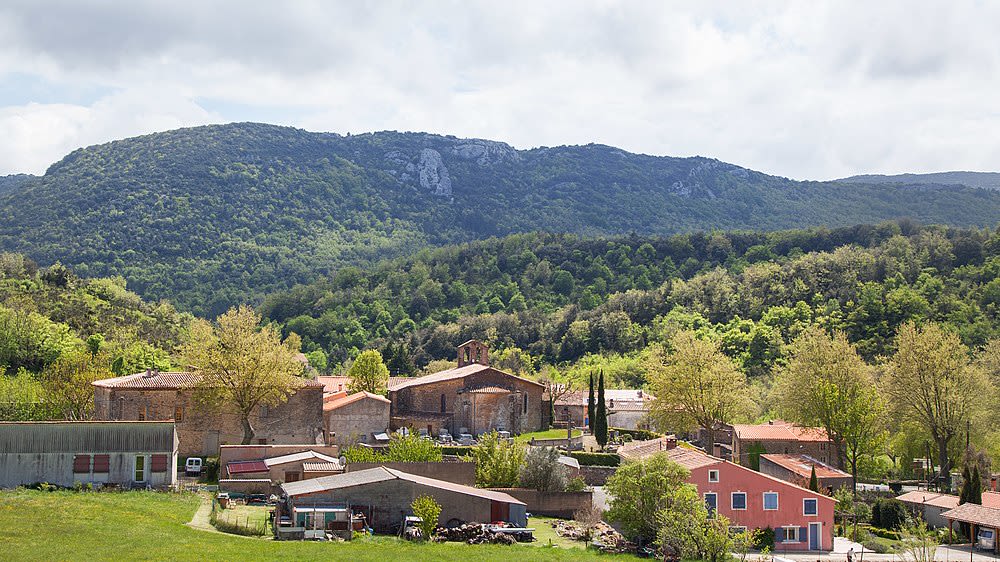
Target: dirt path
{"points": [[201, 517]]}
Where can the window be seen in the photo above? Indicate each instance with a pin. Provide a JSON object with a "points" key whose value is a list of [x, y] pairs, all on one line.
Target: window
{"points": [[159, 463], [739, 500], [81, 464], [713, 475], [711, 502], [442, 403], [292, 476], [178, 413], [140, 468], [770, 501], [102, 463], [790, 534], [525, 404], [809, 506]]}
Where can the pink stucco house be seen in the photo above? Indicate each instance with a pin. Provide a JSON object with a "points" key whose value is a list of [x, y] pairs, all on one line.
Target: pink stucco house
{"points": [[801, 519]]}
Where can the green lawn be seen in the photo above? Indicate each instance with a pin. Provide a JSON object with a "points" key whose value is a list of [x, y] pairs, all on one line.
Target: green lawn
{"points": [[151, 526], [545, 535], [547, 434]]}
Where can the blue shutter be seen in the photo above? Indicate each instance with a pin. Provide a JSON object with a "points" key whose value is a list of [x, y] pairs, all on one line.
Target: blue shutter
{"points": [[803, 534]]}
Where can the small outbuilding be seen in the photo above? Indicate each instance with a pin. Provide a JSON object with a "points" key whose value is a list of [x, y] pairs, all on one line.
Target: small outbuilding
{"points": [[354, 418], [127, 454], [383, 495]]}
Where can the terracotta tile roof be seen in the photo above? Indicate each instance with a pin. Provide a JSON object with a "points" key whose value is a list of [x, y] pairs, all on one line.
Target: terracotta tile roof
{"points": [[322, 467], [946, 501], [452, 374], [341, 401], [991, 499], [490, 390], [691, 458], [167, 380], [642, 449], [802, 466], [778, 430], [975, 514], [334, 384], [623, 398]]}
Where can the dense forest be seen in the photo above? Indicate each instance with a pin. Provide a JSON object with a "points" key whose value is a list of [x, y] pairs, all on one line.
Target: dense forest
{"points": [[213, 216], [59, 331], [583, 304]]}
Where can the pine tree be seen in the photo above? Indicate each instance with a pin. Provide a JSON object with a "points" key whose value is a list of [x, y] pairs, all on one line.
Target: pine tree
{"points": [[590, 405], [813, 481], [601, 413]]}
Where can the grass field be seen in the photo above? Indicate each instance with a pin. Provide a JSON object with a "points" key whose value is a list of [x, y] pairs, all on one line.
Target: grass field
{"points": [[151, 526], [546, 535], [547, 434]]}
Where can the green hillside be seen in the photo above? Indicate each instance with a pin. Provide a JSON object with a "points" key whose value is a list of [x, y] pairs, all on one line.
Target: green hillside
{"points": [[216, 215]]}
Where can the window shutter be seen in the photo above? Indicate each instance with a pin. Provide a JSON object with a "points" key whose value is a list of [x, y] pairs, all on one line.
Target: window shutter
{"points": [[803, 534], [159, 463], [81, 464], [102, 463]]}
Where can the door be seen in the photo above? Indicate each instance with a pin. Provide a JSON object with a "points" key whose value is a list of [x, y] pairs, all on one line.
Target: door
{"points": [[140, 468], [499, 511], [211, 444], [815, 536]]}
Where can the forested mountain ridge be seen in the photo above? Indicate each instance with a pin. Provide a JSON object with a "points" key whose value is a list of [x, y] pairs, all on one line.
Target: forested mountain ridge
{"points": [[216, 215], [588, 303]]}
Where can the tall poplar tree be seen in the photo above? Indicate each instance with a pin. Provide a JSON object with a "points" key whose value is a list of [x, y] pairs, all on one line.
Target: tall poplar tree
{"points": [[590, 405], [601, 413]]}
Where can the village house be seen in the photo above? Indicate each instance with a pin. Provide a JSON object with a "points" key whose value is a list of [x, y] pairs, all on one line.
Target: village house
{"points": [[470, 398], [802, 519], [781, 437], [125, 454], [383, 495], [354, 418], [930, 506], [156, 395], [627, 408], [798, 469]]}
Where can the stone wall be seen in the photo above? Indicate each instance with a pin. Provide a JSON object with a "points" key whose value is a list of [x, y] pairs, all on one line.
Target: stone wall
{"points": [[201, 430], [457, 472], [597, 475], [552, 504], [355, 422]]}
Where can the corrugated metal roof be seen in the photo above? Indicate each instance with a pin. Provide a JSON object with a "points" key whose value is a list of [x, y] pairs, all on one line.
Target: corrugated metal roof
{"points": [[77, 437], [295, 457], [246, 467], [382, 474], [321, 467]]}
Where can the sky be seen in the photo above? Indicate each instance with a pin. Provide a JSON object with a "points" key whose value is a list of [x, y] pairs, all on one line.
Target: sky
{"points": [[807, 90]]}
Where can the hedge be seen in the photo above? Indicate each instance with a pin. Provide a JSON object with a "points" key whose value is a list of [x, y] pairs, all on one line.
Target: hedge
{"points": [[637, 434], [457, 451], [596, 459]]}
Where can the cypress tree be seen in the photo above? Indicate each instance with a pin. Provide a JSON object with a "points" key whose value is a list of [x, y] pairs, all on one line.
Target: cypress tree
{"points": [[590, 406], [601, 413], [813, 481]]}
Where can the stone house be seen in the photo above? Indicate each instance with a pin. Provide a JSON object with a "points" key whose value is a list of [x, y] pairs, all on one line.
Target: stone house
{"points": [[156, 395], [797, 469], [354, 418], [781, 437], [627, 408], [471, 398]]}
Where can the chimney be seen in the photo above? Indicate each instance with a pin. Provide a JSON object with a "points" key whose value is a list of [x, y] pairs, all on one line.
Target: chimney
{"points": [[471, 352]]}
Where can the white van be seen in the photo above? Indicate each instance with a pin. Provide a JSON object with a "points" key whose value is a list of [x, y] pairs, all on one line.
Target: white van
{"points": [[193, 466]]}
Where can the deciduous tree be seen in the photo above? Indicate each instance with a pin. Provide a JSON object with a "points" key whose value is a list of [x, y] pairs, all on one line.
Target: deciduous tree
{"points": [[640, 490], [369, 374], [696, 386], [241, 365], [930, 379]]}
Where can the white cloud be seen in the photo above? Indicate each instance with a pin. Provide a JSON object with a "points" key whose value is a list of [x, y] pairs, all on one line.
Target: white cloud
{"points": [[808, 90]]}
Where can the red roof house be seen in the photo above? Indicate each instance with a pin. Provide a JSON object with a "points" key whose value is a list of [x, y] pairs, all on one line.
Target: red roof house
{"points": [[780, 437]]}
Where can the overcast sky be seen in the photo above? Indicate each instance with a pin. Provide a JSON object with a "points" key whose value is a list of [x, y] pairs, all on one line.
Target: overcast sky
{"points": [[808, 90]]}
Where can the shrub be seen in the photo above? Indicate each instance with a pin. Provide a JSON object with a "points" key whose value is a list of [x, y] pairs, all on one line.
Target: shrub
{"points": [[210, 470], [637, 434], [596, 459], [576, 484], [498, 462], [885, 533], [888, 513], [428, 510], [764, 538], [875, 546], [543, 471], [458, 451], [402, 448]]}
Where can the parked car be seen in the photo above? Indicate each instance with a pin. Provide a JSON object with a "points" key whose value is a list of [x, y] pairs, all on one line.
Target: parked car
{"points": [[986, 539], [193, 466]]}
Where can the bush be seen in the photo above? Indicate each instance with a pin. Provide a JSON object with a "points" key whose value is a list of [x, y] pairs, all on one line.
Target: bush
{"points": [[764, 539], [885, 533], [458, 451], [875, 546], [543, 471], [888, 513], [576, 484], [596, 459], [210, 470], [428, 510]]}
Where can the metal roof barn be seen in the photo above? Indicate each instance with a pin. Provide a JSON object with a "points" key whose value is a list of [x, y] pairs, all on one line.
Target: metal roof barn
{"points": [[74, 437]]}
